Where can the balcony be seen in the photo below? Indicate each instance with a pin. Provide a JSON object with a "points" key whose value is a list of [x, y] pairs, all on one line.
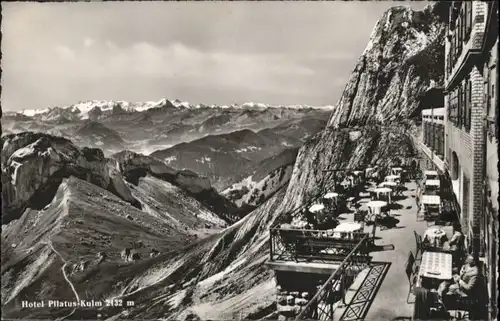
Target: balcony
{"points": [[491, 127], [436, 159], [461, 59]]}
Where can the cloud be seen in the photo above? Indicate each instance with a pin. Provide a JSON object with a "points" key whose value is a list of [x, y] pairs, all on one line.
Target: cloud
{"points": [[205, 52], [88, 42], [172, 62], [65, 53]]}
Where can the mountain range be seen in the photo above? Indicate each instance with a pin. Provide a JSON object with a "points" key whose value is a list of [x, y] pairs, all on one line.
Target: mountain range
{"points": [[157, 125], [228, 158]]}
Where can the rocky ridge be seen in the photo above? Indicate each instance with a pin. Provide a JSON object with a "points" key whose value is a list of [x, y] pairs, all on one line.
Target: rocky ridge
{"points": [[402, 61]]}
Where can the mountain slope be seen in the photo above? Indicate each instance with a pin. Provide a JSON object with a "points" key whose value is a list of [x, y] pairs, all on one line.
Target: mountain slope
{"points": [[135, 166], [229, 158], [94, 134], [267, 177]]}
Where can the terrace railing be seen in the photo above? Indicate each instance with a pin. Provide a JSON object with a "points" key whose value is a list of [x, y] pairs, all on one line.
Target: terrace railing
{"points": [[320, 307], [317, 245]]}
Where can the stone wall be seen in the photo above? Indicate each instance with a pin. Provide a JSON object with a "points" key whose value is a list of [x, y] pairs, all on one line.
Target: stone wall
{"points": [[290, 304], [477, 135]]}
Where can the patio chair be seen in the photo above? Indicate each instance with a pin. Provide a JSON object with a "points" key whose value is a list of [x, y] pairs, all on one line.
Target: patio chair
{"points": [[410, 273], [430, 218], [420, 245], [360, 216], [461, 305]]}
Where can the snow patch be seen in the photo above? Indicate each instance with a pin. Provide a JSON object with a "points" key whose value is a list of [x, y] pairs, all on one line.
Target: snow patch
{"points": [[170, 159], [247, 149], [204, 160], [24, 151], [388, 20], [33, 112], [16, 166]]}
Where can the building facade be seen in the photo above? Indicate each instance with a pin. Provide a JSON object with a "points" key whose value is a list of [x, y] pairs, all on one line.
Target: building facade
{"points": [[470, 151], [468, 127], [432, 144]]}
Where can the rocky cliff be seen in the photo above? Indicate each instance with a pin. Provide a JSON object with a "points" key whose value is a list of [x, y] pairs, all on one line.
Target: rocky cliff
{"points": [[33, 166], [135, 166], [402, 61]]}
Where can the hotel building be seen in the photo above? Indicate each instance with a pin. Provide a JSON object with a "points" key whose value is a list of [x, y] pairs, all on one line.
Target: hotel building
{"points": [[461, 139]]}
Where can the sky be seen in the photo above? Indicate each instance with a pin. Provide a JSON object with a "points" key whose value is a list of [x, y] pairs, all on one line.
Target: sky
{"points": [[57, 54]]}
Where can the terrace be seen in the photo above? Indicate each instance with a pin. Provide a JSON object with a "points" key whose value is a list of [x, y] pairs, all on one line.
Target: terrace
{"points": [[367, 267]]}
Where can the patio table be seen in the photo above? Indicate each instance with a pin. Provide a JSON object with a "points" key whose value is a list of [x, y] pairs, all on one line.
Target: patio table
{"points": [[431, 173], [432, 182], [384, 190], [331, 195], [347, 227], [391, 184], [431, 200], [436, 235], [331, 199], [316, 208], [392, 178], [436, 265], [397, 170], [376, 206]]}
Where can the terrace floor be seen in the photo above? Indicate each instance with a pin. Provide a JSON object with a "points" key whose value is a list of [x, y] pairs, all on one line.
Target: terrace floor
{"points": [[387, 299]]}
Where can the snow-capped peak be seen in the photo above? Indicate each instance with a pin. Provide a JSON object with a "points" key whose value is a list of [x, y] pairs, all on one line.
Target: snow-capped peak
{"points": [[178, 103], [33, 112], [81, 109], [254, 105]]}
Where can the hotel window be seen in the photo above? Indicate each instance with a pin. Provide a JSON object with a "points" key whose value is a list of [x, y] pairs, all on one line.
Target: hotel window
{"points": [[464, 104], [460, 33], [466, 197], [441, 136], [467, 105], [455, 106], [459, 107], [468, 19]]}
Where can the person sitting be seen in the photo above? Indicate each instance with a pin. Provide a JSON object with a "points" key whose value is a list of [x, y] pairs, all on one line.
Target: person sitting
{"points": [[421, 309], [464, 283], [456, 242]]}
